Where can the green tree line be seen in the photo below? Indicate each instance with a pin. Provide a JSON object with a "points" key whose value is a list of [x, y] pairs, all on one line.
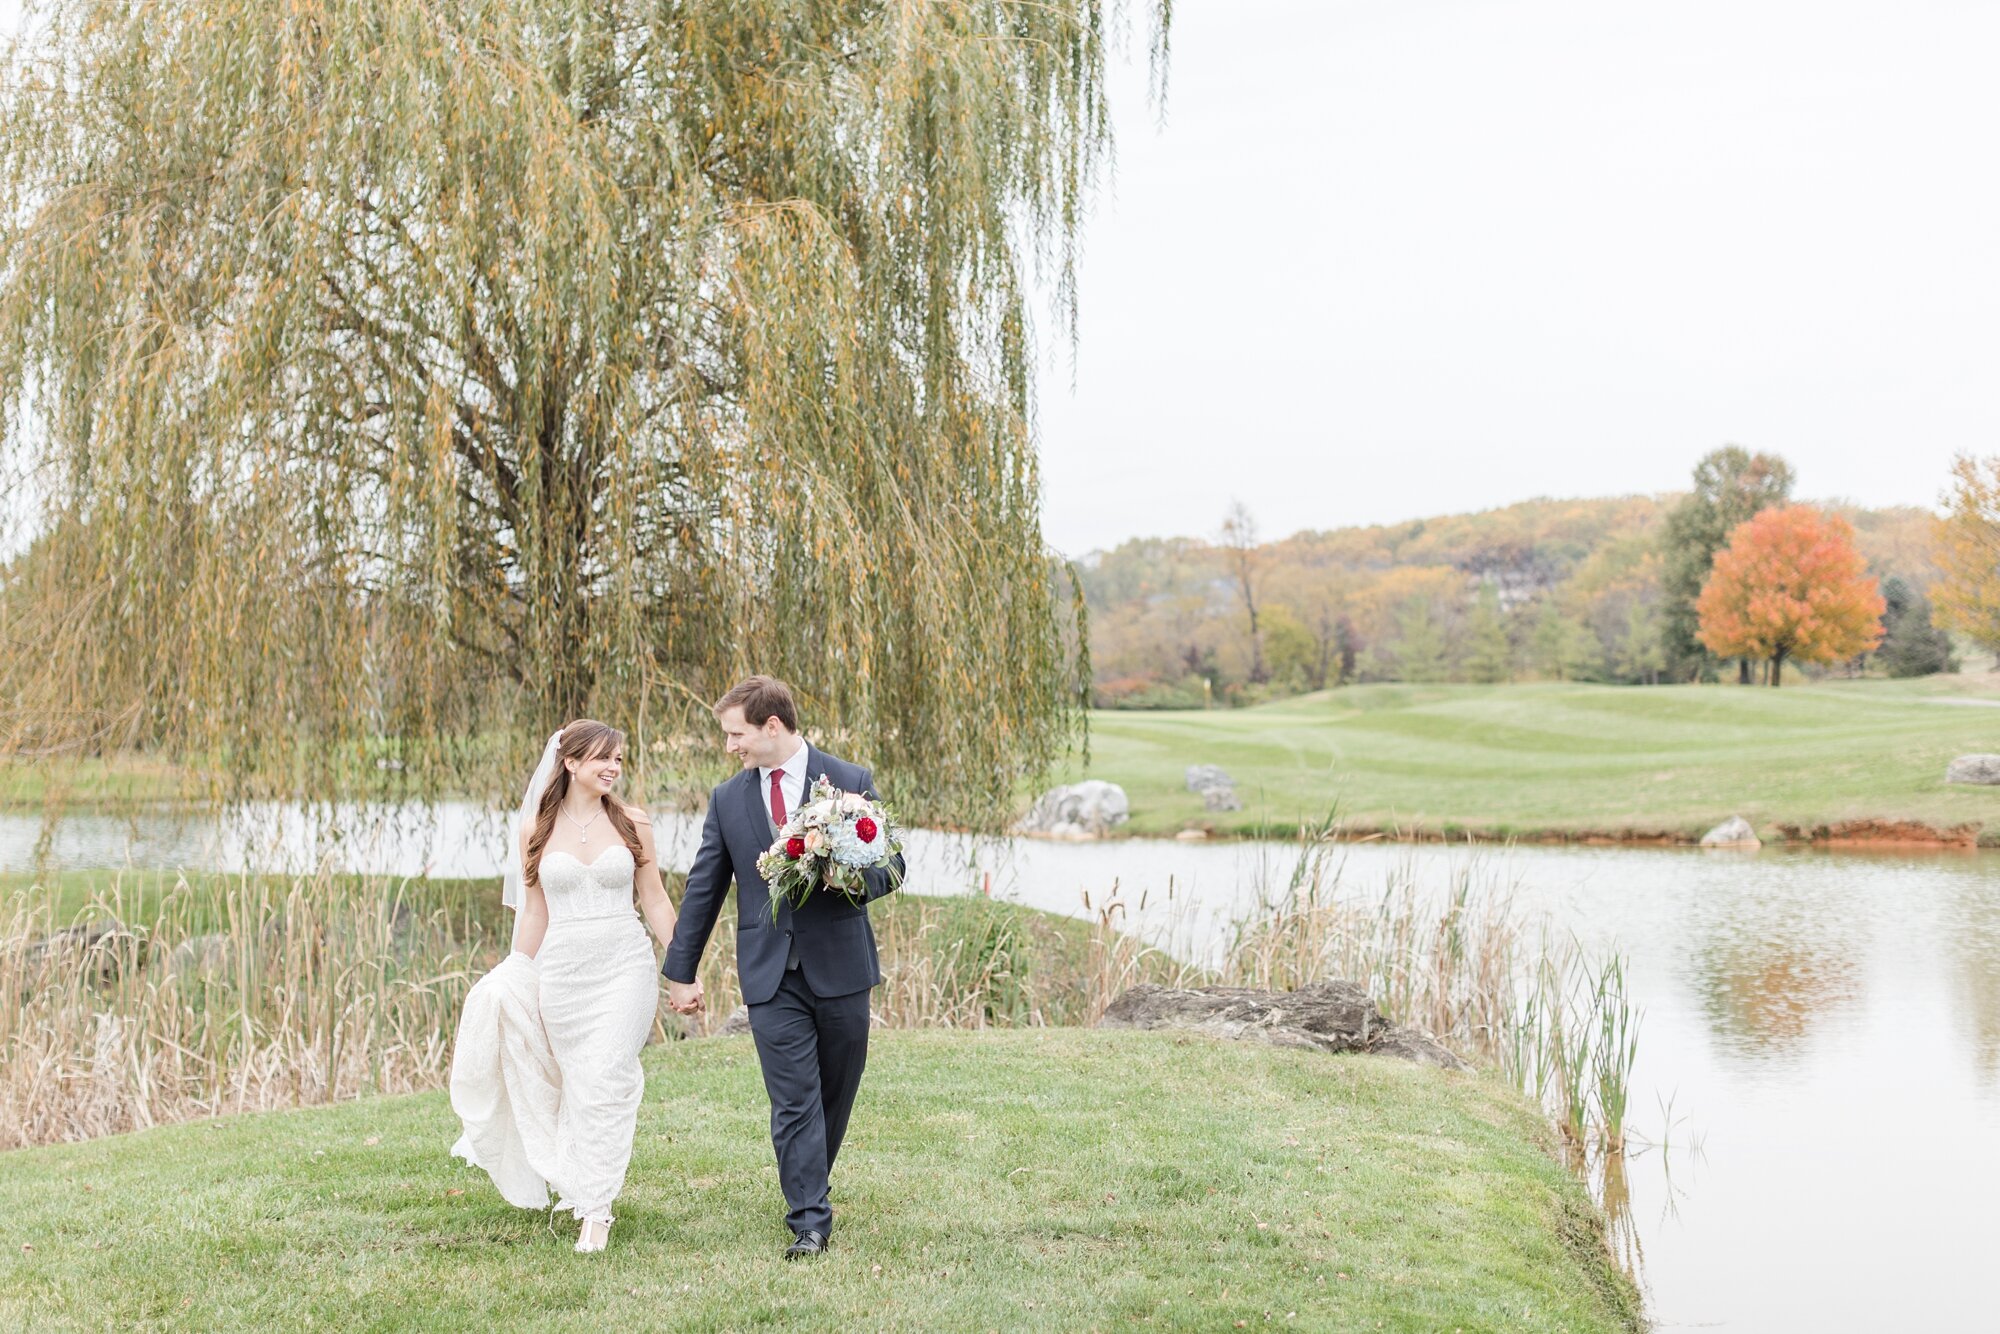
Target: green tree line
{"points": [[1593, 590]]}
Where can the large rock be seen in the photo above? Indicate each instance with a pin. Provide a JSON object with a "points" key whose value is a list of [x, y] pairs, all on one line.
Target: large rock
{"points": [[1217, 788], [1202, 777], [1081, 810], [1735, 832], [1326, 1016], [1981, 769]]}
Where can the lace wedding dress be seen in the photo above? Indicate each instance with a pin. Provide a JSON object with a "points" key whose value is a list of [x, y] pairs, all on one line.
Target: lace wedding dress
{"points": [[545, 1075]]}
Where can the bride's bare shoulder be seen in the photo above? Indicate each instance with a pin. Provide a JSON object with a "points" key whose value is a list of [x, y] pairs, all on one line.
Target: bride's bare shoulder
{"points": [[638, 813]]}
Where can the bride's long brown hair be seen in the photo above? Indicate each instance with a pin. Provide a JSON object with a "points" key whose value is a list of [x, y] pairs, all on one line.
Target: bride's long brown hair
{"points": [[584, 739]]}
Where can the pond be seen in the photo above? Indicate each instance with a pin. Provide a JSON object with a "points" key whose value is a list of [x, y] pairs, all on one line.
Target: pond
{"points": [[1824, 1028]]}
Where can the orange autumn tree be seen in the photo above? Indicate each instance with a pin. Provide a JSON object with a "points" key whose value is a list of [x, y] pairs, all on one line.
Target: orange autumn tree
{"points": [[1790, 585]]}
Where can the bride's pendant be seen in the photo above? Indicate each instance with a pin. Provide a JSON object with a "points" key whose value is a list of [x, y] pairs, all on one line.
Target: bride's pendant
{"points": [[582, 826]]}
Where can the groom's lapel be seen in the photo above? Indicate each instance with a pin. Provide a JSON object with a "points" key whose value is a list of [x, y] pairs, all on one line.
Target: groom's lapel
{"points": [[819, 765], [753, 818]]}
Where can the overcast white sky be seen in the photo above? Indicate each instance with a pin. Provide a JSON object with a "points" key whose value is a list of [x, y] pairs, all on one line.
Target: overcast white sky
{"points": [[1389, 258]]}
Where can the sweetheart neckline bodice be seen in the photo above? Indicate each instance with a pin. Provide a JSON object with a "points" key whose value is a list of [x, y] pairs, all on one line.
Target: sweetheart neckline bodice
{"points": [[587, 865], [601, 887]]}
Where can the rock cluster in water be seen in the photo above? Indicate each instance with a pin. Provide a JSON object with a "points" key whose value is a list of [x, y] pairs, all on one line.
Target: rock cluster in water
{"points": [[1326, 1016], [1089, 809]]}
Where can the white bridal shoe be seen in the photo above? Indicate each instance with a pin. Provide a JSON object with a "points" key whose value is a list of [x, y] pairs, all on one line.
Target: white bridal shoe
{"points": [[595, 1235]]}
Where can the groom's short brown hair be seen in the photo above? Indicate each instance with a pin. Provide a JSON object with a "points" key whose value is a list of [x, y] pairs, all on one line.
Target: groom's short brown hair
{"points": [[761, 698]]}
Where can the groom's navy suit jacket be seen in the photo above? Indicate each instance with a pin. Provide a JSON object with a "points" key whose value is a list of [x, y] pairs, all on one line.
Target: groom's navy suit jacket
{"points": [[829, 935]]}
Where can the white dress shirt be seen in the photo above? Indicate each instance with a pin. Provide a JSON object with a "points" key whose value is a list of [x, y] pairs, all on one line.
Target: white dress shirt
{"points": [[793, 784]]}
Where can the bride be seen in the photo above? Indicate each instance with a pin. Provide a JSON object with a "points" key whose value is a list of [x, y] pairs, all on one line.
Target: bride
{"points": [[545, 1074]]}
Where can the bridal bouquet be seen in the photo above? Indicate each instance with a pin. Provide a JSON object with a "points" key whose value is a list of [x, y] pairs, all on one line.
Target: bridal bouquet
{"points": [[829, 841]]}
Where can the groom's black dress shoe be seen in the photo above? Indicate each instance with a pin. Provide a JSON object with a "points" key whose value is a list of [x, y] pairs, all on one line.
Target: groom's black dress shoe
{"points": [[808, 1243]]}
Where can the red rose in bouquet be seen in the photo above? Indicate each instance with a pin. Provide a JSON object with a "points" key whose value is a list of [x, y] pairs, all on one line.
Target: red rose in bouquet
{"points": [[795, 848], [866, 829]]}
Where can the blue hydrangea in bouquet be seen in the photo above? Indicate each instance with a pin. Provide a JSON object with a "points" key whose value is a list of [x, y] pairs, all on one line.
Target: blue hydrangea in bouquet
{"points": [[829, 842]]}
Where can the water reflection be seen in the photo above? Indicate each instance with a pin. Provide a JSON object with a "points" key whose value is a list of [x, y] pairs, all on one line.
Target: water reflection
{"points": [[1762, 997], [1973, 944], [1614, 1192]]}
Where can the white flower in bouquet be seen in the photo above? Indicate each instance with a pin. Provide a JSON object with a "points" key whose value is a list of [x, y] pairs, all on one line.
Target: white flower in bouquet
{"points": [[850, 848]]}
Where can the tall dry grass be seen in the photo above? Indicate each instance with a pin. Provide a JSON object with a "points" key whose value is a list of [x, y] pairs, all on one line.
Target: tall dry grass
{"points": [[165, 998], [169, 999]]}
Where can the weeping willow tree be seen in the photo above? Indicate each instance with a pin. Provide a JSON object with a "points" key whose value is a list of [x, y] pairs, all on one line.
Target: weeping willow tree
{"points": [[384, 381]]}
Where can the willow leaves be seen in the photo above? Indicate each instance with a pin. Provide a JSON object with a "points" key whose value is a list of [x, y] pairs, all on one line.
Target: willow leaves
{"points": [[389, 381]]}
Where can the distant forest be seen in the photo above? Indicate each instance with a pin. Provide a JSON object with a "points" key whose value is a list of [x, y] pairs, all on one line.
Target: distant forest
{"points": [[1592, 590]]}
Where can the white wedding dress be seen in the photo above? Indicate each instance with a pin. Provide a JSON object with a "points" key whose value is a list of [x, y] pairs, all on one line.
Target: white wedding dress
{"points": [[545, 1075]]}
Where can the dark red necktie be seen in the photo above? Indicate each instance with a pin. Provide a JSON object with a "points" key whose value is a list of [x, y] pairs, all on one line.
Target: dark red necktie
{"points": [[777, 799]]}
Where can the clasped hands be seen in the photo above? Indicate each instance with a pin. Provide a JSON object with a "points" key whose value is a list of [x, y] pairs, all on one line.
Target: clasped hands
{"points": [[684, 997]]}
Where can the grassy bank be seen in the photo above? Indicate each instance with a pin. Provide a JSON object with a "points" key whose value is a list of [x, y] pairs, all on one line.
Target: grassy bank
{"points": [[119, 783], [1529, 760], [1054, 1179]]}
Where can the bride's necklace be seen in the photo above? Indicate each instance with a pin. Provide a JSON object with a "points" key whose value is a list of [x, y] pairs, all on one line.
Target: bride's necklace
{"points": [[582, 826]]}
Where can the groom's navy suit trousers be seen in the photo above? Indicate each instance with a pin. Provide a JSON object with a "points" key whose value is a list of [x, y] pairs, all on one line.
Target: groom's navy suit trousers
{"points": [[805, 973]]}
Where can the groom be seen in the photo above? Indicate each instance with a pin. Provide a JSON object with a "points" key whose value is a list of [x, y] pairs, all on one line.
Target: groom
{"points": [[805, 974]]}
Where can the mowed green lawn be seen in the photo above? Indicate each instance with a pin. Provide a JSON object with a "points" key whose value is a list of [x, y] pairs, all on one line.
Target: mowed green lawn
{"points": [[1529, 759], [1054, 1179]]}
